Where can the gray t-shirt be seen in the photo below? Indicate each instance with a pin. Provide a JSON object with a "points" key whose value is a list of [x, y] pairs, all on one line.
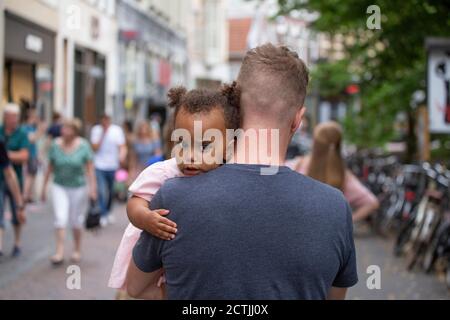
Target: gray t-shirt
{"points": [[242, 235]]}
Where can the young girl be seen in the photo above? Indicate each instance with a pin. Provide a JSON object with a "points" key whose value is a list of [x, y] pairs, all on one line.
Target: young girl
{"points": [[216, 110]]}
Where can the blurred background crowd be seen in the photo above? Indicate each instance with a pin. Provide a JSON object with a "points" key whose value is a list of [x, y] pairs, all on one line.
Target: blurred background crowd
{"points": [[84, 82]]}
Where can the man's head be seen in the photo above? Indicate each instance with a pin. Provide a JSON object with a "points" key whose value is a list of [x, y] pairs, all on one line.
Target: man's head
{"points": [[11, 116], [273, 81], [105, 120]]}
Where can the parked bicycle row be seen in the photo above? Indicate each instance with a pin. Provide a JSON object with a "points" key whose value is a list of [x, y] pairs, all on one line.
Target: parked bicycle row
{"points": [[414, 208]]}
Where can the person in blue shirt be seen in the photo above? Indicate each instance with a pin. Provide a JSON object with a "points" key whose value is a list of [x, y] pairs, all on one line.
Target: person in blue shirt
{"points": [[17, 146]]}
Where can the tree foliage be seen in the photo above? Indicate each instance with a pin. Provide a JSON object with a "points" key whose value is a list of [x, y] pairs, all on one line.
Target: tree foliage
{"points": [[390, 62]]}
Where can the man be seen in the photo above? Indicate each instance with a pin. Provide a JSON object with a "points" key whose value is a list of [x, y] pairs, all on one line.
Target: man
{"points": [[247, 235], [109, 144], [54, 130], [13, 185], [17, 145]]}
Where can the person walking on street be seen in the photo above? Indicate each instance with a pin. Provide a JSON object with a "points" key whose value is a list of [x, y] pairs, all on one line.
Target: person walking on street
{"points": [[109, 144], [13, 185], [325, 164], [54, 130], [17, 145], [35, 131], [145, 146], [70, 161]]}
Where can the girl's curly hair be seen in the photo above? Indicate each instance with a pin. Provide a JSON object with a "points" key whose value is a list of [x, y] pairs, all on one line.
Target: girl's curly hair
{"points": [[204, 100]]}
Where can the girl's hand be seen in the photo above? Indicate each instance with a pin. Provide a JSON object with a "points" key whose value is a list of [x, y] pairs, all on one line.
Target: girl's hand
{"points": [[159, 226]]}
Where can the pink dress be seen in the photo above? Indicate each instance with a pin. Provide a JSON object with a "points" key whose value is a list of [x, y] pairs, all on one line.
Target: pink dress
{"points": [[354, 191], [146, 186]]}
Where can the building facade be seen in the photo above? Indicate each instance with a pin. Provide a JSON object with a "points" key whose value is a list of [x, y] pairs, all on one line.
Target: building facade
{"points": [[152, 55], [86, 57], [28, 29], [208, 43], [86, 47]]}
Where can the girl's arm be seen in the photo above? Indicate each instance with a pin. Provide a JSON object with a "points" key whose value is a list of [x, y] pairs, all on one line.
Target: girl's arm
{"points": [[13, 185], [152, 221], [90, 172], [366, 210], [359, 197], [45, 183]]}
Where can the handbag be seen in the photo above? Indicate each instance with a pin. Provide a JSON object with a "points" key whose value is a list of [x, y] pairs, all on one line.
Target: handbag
{"points": [[93, 216]]}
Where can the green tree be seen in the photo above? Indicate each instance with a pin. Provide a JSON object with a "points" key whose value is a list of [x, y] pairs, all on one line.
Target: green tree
{"points": [[390, 62]]}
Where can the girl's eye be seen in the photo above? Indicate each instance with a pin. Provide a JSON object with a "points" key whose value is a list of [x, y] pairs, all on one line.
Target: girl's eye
{"points": [[206, 145], [183, 143]]}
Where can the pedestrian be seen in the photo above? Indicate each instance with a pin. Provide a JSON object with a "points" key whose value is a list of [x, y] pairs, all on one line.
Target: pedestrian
{"points": [[325, 164], [35, 131], [17, 145], [10, 179], [54, 130], [145, 146], [155, 124], [110, 151], [252, 228], [70, 162]]}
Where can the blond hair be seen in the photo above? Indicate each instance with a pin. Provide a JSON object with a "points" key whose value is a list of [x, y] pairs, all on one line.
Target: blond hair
{"points": [[75, 124], [326, 164], [273, 81]]}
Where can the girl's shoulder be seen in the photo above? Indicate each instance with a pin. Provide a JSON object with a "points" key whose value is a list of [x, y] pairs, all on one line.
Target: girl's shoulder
{"points": [[152, 178], [166, 169]]}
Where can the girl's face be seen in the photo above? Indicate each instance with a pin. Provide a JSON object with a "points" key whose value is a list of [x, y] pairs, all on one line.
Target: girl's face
{"points": [[200, 154]]}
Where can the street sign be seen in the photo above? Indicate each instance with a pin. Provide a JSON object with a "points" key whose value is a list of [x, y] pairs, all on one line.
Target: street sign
{"points": [[439, 84]]}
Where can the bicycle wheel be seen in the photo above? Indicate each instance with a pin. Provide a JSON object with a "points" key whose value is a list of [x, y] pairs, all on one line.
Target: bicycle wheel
{"points": [[414, 256], [403, 237], [430, 255], [447, 276]]}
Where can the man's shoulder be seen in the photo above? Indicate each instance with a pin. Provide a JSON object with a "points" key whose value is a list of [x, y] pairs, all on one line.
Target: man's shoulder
{"points": [[177, 184], [96, 129], [310, 190], [116, 129]]}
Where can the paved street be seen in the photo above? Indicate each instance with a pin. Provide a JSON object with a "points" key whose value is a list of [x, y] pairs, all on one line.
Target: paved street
{"points": [[396, 282], [32, 277]]}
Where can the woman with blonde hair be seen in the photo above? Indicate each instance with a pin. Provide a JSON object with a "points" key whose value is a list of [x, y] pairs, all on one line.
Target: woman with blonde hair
{"points": [[145, 146], [325, 164], [70, 161]]}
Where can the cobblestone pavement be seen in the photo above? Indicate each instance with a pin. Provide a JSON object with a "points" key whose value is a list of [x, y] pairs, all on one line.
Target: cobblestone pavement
{"points": [[32, 277]]}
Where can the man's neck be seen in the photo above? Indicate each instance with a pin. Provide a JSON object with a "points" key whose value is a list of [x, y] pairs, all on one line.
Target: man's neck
{"points": [[262, 145]]}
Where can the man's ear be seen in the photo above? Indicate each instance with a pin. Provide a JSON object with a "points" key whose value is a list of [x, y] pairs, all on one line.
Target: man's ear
{"points": [[298, 119]]}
